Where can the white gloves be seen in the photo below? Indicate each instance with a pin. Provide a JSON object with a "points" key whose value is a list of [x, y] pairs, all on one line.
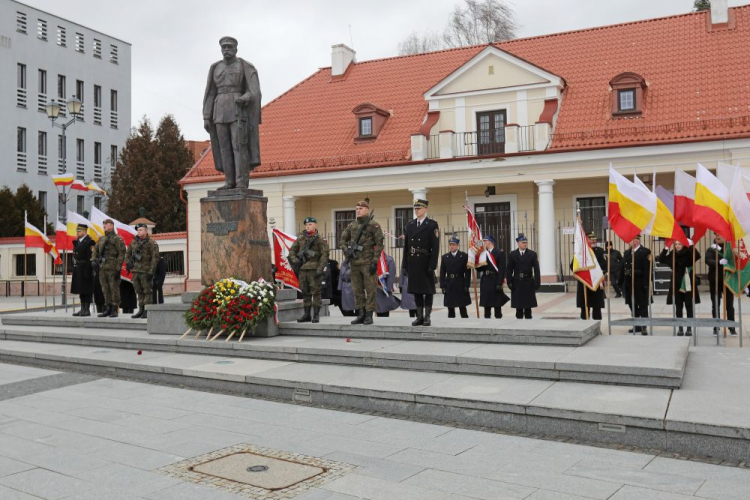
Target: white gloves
{"points": [[715, 246], [723, 262]]}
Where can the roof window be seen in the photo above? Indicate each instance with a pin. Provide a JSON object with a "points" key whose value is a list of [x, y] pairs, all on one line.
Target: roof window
{"points": [[627, 94], [370, 121]]}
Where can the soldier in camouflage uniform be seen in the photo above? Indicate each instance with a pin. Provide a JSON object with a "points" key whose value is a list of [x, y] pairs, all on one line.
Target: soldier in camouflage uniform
{"points": [[141, 259], [309, 256], [362, 243], [106, 260]]}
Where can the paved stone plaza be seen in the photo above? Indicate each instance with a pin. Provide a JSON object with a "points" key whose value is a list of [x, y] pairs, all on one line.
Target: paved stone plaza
{"points": [[68, 436]]}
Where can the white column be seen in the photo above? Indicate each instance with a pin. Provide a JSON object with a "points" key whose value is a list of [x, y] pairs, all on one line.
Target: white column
{"points": [[546, 239], [290, 217], [419, 193]]}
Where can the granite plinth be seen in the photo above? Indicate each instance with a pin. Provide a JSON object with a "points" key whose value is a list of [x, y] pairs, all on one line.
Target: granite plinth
{"points": [[124, 322], [234, 238]]}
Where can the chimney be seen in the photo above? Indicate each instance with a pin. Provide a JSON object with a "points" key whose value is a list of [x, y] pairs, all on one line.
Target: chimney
{"points": [[719, 12], [341, 57]]}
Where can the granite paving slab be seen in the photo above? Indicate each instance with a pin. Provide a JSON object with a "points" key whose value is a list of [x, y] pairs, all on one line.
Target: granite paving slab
{"points": [[124, 322]]}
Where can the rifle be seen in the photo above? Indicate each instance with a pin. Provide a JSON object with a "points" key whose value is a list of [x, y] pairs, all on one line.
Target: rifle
{"points": [[136, 255], [100, 258], [305, 255], [355, 247]]}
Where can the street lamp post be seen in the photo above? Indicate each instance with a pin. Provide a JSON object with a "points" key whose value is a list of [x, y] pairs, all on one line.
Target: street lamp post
{"points": [[53, 112]]}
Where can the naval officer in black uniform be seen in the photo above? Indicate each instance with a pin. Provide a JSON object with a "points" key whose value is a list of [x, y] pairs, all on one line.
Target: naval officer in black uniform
{"points": [[455, 278], [421, 252], [492, 297]]}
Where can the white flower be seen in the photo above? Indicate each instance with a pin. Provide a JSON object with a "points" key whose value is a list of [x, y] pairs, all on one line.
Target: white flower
{"points": [[265, 300]]}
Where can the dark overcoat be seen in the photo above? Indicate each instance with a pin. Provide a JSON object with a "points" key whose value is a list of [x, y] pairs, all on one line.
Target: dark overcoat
{"points": [[642, 266], [82, 281], [345, 285], [595, 299], [683, 261], [386, 303], [421, 253], [523, 278], [489, 281], [407, 299], [615, 265], [455, 279]]}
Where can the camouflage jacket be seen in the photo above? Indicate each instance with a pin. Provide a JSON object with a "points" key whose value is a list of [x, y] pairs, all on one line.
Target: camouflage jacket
{"points": [[114, 254], [317, 253], [148, 250], [371, 240]]}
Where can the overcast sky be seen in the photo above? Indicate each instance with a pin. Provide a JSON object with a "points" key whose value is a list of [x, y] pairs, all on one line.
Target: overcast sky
{"points": [[175, 41]]}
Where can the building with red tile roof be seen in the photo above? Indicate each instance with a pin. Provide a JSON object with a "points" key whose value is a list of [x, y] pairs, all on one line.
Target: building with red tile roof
{"points": [[499, 125]]}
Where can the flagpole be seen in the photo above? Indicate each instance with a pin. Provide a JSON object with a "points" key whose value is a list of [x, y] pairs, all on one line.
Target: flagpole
{"points": [[632, 283], [25, 261], [609, 278], [724, 291], [695, 325], [717, 292], [737, 263], [54, 272], [44, 268], [674, 293], [650, 282], [476, 299]]}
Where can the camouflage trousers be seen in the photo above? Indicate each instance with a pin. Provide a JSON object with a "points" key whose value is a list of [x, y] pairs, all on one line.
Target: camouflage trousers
{"points": [[143, 288], [310, 286], [110, 282], [365, 285]]}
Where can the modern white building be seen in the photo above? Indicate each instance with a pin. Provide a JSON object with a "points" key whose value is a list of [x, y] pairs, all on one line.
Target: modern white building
{"points": [[43, 58]]}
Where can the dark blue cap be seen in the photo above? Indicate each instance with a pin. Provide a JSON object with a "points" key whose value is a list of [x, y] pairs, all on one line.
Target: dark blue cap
{"points": [[521, 237], [454, 240], [311, 219], [490, 239]]}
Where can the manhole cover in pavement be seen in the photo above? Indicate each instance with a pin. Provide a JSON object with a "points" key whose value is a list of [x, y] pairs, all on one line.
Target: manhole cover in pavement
{"points": [[258, 470]]}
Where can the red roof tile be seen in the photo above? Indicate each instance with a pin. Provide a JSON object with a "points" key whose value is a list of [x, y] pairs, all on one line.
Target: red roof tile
{"points": [[170, 236], [697, 90]]}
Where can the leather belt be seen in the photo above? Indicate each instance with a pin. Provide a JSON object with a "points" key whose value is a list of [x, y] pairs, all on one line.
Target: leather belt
{"points": [[229, 90], [453, 276], [417, 251], [522, 275], [346, 281]]}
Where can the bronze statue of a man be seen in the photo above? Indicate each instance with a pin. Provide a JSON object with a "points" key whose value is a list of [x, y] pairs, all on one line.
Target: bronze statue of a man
{"points": [[231, 115]]}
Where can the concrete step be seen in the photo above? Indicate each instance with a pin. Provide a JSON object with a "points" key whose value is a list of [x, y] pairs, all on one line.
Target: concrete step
{"points": [[619, 360], [638, 416], [56, 319], [495, 331]]}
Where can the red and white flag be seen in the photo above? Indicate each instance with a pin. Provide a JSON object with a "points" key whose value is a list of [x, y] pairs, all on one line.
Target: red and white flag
{"points": [[586, 268], [282, 242], [684, 202], [477, 257], [383, 272], [63, 241]]}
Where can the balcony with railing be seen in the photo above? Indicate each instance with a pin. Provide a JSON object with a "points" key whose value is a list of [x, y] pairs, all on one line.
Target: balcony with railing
{"points": [[512, 139], [21, 97]]}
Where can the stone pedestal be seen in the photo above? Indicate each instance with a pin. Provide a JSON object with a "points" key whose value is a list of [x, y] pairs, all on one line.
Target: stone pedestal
{"points": [[234, 236]]}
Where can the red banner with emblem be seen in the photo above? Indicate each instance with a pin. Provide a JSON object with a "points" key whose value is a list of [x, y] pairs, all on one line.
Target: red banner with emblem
{"points": [[282, 242]]}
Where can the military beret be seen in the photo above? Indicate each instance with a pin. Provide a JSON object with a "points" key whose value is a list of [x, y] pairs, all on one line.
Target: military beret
{"points": [[521, 237], [140, 225], [490, 239], [454, 240], [83, 227], [591, 235], [637, 237], [363, 203], [228, 39], [418, 203], [309, 220], [108, 221]]}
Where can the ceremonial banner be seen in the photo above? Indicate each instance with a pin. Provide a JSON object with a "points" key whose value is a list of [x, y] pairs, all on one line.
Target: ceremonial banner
{"points": [[93, 186], [63, 179], [586, 268], [628, 211], [477, 257], [63, 241], [662, 223], [684, 202], [79, 185], [34, 238], [711, 203], [739, 205], [282, 242], [126, 232], [736, 286], [74, 219], [383, 272]]}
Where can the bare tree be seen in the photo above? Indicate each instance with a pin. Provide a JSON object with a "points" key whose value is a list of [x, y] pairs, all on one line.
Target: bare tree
{"points": [[475, 23], [478, 22], [415, 43]]}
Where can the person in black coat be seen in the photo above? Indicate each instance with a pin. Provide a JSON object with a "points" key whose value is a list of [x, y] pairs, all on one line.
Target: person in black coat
{"points": [[714, 258], [615, 266], [387, 302], [523, 278], [455, 279], [491, 277], [595, 300], [421, 253], [159, 277], [329, 288], [682, 277], [642, 276], [82, 281]]}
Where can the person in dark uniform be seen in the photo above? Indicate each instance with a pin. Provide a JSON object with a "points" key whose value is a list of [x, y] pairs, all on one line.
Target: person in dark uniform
{"points": [[642, 265], [330, 288], [683, 280], [715, 257], [387, 302], [615, 266], [159, 278], [455, 279], [595, 300], [82, 282], [421, 253], [523, 278], [491, 277]]}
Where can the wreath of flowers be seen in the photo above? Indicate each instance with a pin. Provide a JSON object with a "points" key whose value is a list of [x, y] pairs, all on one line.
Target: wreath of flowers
{"points": [[231, 306]]}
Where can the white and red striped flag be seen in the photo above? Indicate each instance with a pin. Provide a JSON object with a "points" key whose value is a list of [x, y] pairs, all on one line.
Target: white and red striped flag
{"points": [[477, 254], [586, 268], [684, 202], [383, 272], [282, 242]]}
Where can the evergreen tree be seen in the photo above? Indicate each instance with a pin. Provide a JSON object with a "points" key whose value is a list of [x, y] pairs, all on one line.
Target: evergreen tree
{"points": [[35, 212], [147, 176], [701, 5], [11, 220]]}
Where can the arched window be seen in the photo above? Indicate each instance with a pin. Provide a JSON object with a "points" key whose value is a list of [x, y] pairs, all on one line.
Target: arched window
{"points": [[627, 94]]}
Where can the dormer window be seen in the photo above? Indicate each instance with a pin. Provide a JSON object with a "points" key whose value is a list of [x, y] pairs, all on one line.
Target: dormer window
{"points": [[627, 94], [370, 121]]}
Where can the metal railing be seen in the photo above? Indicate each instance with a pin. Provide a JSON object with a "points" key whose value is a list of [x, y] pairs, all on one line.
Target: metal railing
{"points": [[526, 138], [113, 119], [175, 262], [42, 162], [97, 115], [9, 286], [41, 102], [21, 97], [433, 147], [80, 170], [21, 161]]}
